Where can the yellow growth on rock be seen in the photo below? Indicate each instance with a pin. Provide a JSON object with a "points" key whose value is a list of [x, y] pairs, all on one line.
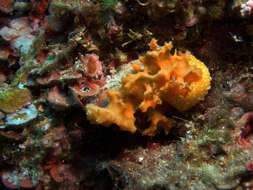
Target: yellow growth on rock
{"points": [[12, 99], [180, 80]]}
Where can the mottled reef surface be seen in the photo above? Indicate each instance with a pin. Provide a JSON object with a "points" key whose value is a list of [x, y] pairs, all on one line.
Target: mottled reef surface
{"points": [[59, 57]]}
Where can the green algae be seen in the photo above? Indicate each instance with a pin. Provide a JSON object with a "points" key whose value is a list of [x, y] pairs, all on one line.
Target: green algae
{"points": [[107, 4], [172, 5], [59, 8], [13, 98], [213, 137], [106, 12], [22, 74], [215, 12]]}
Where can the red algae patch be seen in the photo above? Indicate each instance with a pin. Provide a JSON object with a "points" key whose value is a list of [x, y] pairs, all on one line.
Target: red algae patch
{"points": [[57, 98], [10, 134], [92, 64], [9, 183], [244, 131], [85, 89], [6, 6], [15, 180]]}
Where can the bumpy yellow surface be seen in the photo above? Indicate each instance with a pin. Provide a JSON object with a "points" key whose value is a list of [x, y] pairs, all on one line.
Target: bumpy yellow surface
{"points": [[180, 80]]}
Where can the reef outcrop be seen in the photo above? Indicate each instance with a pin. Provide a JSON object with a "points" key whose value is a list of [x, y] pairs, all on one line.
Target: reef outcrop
{"points": [[179, 80]]}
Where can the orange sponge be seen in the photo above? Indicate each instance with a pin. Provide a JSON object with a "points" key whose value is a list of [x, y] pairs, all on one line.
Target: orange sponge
{"points": [[180, 80]]}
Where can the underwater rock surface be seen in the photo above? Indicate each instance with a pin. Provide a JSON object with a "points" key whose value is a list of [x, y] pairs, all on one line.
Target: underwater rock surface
{"points": [[64, 63]]}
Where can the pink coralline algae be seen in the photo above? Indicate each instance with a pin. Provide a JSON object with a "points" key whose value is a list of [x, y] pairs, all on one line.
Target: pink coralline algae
{"points": [[250, 3], [56, 76], [19, 33], [61, 172], [115, 32], [84, 81], [6, 6], [88, 91], [39, 8], [247, 8], [244, 130], [15, 180], [241, 93], [58, 100], [249, 166], [91, 65], [85, 89]]}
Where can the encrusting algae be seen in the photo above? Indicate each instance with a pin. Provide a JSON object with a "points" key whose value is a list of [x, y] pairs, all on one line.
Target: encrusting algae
{"points": [[12, 99], [179, 80]]}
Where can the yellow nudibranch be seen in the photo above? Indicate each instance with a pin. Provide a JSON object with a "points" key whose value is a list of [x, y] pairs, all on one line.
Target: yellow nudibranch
{"points": [[180, 80]]}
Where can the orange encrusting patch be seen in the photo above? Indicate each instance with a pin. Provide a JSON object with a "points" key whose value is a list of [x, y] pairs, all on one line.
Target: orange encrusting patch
{"points": [[180, 80], [136, 67], [118, 111]]}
